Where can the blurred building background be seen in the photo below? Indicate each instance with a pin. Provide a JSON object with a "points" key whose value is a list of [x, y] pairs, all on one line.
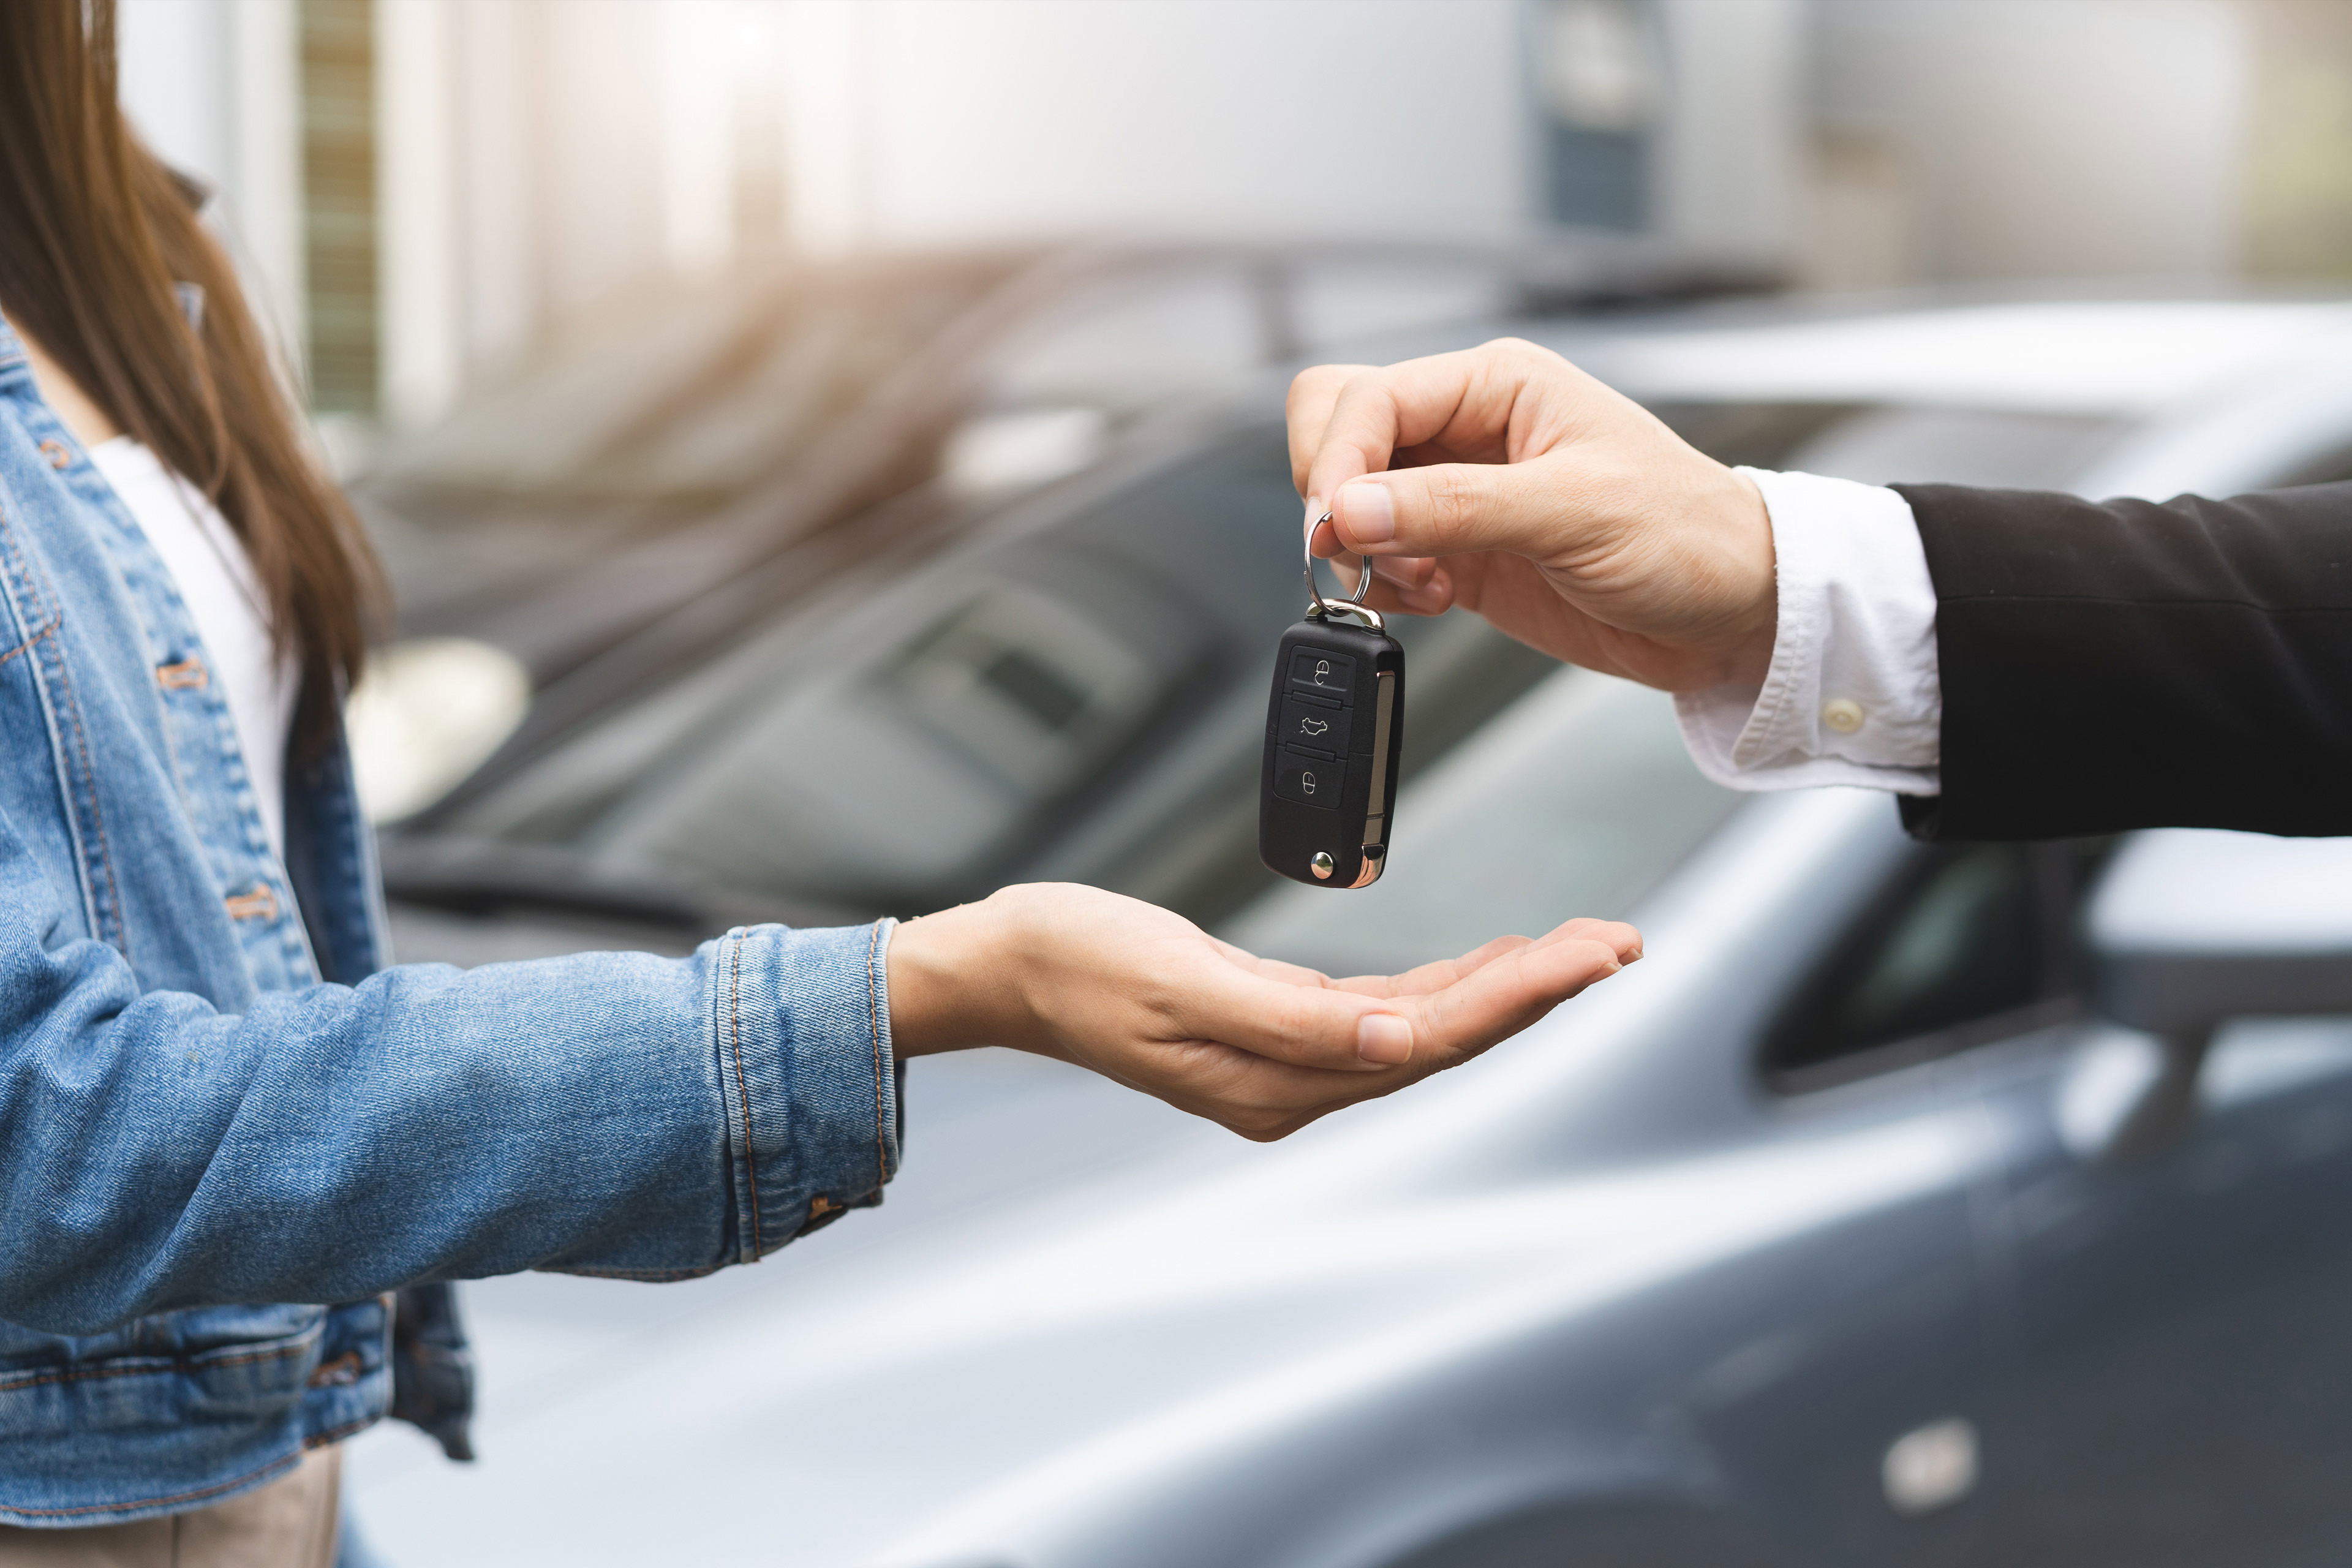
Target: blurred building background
{"points": [[426, 190]]}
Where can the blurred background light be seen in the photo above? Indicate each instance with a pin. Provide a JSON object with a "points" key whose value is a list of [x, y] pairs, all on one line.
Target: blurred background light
{"points": [[427, 713], [831, 457], [429, 196]]}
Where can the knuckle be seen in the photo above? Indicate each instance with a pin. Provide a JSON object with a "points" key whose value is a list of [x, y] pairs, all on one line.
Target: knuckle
{"points": [[1453, 497], [1161, 996], [1524, 351], [1599, 953]]}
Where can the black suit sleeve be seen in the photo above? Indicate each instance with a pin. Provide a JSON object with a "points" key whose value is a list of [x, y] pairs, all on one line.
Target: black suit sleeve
{"points": [[2123, 663]]}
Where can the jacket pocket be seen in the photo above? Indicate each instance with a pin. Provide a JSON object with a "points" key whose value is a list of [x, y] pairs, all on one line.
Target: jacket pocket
{"points": [[207, 1404]]}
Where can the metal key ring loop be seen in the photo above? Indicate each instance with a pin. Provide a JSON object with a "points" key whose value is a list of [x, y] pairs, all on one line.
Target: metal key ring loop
{"points": [[1353, 604]]}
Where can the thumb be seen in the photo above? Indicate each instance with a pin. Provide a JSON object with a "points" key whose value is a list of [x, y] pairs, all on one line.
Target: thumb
{"points": [[1455, 508]]}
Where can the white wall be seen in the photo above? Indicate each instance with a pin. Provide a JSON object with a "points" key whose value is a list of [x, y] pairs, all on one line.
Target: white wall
{"points": [[212, 85], [2063, 137], [537, 154], [927, 120], [421, 279], [1729, 167], [540, 153]]}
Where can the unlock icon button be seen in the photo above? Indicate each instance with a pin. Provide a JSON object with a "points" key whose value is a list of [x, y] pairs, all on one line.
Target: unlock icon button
{"points": [[1309, 781]]}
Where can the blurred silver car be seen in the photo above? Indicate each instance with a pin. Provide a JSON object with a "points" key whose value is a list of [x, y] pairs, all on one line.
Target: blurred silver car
{"points": [[1905, 1205]]}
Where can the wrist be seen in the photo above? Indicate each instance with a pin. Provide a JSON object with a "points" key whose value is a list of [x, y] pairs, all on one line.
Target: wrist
{"points": [[1745, 523], [949, 988]]}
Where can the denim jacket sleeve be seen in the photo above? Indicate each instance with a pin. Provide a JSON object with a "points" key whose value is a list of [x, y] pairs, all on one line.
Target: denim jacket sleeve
{"points": [[606, 1114]]}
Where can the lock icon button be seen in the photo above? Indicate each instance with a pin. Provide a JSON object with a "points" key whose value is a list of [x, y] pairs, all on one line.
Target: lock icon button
{"points": [[1309, 780]]}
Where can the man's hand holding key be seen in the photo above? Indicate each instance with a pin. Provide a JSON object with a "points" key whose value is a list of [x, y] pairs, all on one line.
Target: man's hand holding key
{"points": [[1506, 481]]}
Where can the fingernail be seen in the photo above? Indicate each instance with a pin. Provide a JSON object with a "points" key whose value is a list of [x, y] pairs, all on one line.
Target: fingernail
{"points": [[1383, 1037], [1396, 568], [1369, 510]]}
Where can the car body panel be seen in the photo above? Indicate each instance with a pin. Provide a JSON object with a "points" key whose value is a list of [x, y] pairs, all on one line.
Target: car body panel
{"points": [[1612, 1294]]}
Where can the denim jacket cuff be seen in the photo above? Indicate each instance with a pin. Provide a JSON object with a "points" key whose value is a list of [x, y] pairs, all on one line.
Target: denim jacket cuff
{"points": [[803, 1023]]}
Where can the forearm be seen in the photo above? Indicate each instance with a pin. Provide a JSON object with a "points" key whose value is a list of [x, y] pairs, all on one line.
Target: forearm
{"points": [[2125, 664], [2022, 665], [605, 1113]]}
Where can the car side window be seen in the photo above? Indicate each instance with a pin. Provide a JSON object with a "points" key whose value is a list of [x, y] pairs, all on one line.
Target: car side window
{"points": [[1970, 944]]}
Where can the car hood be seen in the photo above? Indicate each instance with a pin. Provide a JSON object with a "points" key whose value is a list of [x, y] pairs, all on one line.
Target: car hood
{"points": [[1077, 1306]]}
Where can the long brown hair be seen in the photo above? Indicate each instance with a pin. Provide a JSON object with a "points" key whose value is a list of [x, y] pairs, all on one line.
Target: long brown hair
{"points": [[95, 232]]}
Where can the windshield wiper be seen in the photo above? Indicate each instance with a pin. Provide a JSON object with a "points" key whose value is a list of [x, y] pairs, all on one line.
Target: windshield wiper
{"points": [[488, 877]]}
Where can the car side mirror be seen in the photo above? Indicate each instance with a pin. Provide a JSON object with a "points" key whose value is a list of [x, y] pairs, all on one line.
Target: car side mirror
{"points": [[2188, 929]]}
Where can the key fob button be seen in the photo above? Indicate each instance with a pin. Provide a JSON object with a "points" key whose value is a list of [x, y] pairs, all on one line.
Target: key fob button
{"points": [[1334, 731], [1309, 781], [1317, 669], [1312, 726]]}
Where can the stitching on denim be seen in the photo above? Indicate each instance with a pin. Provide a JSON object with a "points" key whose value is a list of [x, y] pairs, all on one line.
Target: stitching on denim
{"points": [[97, 818], [288, 1462], [23, 568], [337, 1434], [158, 1367], [648, 1276], [21, 580], [874, 1031], [735, 1020], [49, 630]]}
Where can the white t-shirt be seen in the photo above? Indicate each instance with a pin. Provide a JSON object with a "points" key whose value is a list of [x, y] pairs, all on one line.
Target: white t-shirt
{"points": [[216, 580]]}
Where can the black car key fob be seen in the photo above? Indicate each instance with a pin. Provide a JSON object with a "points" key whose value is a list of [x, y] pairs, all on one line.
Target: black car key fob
{"points": [[1334, 730]]}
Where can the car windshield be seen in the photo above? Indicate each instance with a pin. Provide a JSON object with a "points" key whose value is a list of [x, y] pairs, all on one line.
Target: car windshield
{"points": [[894, 744], [1880, 444], [1077, 691], [1575, 800]]}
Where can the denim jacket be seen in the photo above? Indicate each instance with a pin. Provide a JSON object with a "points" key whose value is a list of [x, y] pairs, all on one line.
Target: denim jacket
{"points": [[228, 1133]]}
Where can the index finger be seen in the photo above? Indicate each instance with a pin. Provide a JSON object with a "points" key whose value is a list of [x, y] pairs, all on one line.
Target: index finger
{"points": [[1307, 409], [1372, 413]]}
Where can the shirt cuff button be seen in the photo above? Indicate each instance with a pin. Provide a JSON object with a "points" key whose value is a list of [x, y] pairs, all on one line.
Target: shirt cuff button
{"points": [[1842, 714]]}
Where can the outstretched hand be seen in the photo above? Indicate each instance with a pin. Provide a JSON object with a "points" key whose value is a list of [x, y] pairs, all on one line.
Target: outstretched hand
{"points": [[1263, 1048], [1504, 479]]}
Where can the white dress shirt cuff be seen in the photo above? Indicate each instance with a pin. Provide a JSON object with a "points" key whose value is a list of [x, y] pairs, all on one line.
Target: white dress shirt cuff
{"points": [[1853, 695]]}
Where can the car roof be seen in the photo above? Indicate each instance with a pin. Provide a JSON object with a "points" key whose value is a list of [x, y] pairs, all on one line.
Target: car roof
{"points": [[2111, 357]]}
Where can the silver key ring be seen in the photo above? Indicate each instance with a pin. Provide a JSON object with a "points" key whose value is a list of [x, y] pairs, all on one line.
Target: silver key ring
{"points": [[1352, 605]]}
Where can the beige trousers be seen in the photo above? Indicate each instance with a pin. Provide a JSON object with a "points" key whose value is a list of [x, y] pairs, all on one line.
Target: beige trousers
{"points": [[289, 1523]]}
